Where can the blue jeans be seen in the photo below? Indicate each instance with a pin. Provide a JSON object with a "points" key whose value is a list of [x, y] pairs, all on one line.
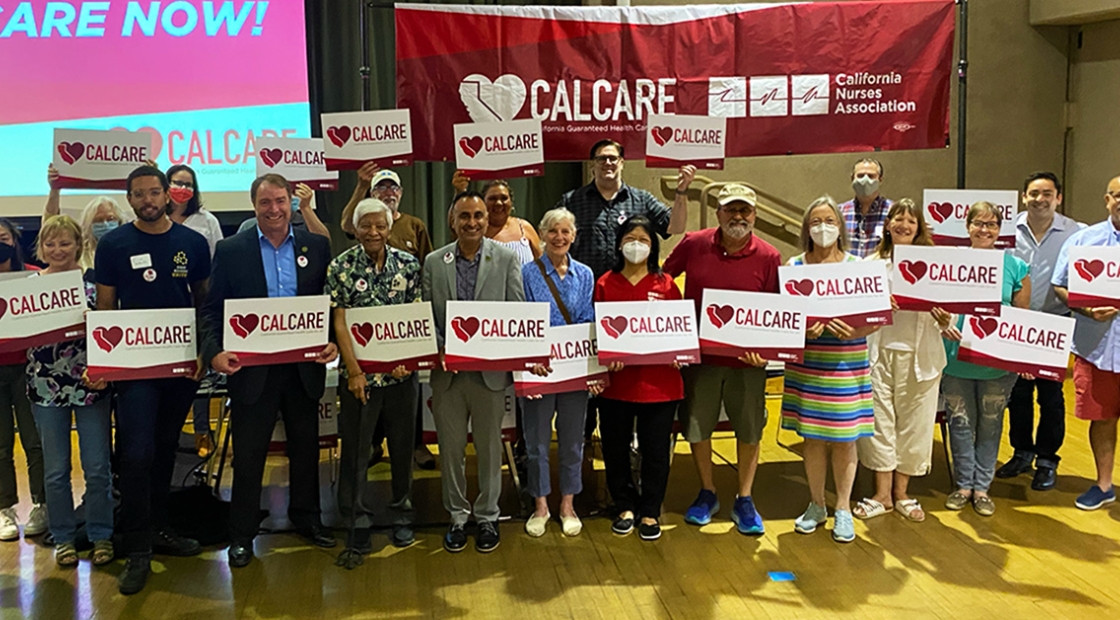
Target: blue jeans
{"points": [[570, 409], [94, 425], [975, 409]]}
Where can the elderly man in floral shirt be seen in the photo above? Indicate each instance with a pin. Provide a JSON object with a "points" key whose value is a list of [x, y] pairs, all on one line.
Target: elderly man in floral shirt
{"points": [[373, 274]]}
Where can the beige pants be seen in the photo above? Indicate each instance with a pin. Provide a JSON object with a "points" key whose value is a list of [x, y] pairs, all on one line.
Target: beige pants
{"points": [[905, 413]]}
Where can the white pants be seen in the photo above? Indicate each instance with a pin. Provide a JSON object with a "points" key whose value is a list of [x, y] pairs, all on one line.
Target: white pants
{"points": [[905, 413]]}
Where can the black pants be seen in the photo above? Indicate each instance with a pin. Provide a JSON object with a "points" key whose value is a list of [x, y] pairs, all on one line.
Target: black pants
{"points": [[1051, 420], [150, 416], [655, 424], [418, 436], [252, 425], [394, 407]]}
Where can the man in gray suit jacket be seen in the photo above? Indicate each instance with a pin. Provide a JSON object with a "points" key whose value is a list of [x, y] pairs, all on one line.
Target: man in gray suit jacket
{"points": [[471, 269]]}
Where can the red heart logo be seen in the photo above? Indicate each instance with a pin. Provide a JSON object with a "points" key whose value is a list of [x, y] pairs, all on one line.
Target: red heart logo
{"points": [[271, 157], [940, 211], [362, 333], [339, 135], [71, 151], [3, 307], [720, 315], [614, 325], [244, 324], [983, 327], [802, 288], [1089, 270], [465, 329], [661, 135], [912, 271], [108, 339], [471, 146]]}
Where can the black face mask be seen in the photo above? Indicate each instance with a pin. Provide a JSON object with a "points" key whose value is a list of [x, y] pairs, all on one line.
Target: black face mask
{"points": [[7, 252]]}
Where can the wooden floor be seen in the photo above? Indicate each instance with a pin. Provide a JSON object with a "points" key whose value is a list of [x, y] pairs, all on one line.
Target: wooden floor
{"points": [[1038, 556]]}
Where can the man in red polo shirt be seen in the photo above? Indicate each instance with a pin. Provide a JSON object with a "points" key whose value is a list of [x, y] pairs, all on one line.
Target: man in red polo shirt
{"points": [[730, 257]]}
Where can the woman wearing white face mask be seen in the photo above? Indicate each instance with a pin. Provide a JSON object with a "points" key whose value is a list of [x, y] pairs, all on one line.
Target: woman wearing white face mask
{"points": [[100, 216], [827, 397], [649, 394]]}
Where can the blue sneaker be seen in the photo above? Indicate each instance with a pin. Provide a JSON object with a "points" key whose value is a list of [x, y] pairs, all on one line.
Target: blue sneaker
{"points": [[745, 517], [1095, 498], [701, 510]]}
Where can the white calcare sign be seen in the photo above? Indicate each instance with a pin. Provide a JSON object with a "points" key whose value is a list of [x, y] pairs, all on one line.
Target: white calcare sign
{"points": [[733, 323], [647, 332], [1094, 276], [955, 279], [672, 141], [99, 159], [276, 330], [856, 292], [500, 150], [946, 210], [127, 345], [495, 335], [42, 309], [574, 363], [385, 337], [1019, 340], [350, 139], [299, 160]]}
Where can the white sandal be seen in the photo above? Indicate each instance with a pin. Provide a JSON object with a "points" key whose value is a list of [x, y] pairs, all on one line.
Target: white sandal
{"points": [[868, 508], [907, 508], [536, 526]]}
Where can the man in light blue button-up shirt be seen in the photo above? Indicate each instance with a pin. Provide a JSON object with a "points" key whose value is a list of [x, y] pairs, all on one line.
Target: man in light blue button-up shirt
{"points": [[279, 264], [1096, 347], [1040, 233]]}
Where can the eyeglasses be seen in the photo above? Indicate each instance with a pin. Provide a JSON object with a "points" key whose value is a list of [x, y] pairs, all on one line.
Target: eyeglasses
{"points": [[740, 211], [606, 159], [989, 225], [387, 187], [140, 194]]}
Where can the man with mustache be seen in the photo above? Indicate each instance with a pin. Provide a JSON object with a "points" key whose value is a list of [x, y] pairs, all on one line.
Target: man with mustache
{"points": [[866, 214], [147, 264], [1039, 234], [472, 268], [728, 257], [1096, 350]]}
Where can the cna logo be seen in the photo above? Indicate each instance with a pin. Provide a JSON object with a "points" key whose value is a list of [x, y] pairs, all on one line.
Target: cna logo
{"points": [[244, 324], [107, 339], [777, 95], [465, 328], [492, 101]]}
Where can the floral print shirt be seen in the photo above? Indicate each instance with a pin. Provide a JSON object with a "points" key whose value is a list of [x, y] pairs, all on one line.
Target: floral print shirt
{"points": [[54, 371]]}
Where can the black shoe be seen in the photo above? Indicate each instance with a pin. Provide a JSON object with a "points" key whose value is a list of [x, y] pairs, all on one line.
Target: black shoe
{"points": [[648, 531], [1017, 465], [318, 536], [166, 542], [360, 541], [1044, 478], [622, 527], [135, 575], [402, 536], [240, 554], [488, 538], [455, 540], [424, 458]]}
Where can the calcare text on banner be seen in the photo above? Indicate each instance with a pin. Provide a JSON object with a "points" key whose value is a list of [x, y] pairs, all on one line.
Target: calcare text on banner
{"points": [[127, 345], [299, 160], [385, 337], [958, 280], [495, 335], [573, 361], [644, 333], [733, 323], [99, 159], [41, 309], [1018, 340]]}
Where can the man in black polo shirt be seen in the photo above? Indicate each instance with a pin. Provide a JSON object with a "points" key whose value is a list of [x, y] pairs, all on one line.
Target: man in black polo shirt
{"points": [[604, 204], [148, 264]]}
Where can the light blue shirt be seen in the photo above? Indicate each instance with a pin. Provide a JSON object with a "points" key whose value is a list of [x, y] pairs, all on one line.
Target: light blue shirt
{"points": [[1041, 256], [576, 289], [279, 265], [1095, 341]]}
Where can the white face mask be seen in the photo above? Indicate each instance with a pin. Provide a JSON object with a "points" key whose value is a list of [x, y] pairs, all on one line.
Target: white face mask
{"points": [[824, 235], [865, 186], [635, 252]]}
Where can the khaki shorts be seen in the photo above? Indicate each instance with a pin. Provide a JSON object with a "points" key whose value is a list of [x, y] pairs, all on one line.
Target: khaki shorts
{"points": [[740, 391]]}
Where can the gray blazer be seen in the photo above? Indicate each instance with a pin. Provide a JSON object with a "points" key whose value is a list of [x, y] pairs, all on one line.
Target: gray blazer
{"points": [[499, 279]]}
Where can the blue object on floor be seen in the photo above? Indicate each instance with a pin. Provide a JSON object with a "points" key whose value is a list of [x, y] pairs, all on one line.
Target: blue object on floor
{"points": [[782, 576]]}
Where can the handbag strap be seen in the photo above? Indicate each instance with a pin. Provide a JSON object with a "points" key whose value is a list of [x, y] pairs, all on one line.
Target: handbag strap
{"points": [[555, 292]]}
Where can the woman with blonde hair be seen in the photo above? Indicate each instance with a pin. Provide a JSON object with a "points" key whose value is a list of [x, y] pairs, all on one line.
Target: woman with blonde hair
{"points": [[906, 361]]}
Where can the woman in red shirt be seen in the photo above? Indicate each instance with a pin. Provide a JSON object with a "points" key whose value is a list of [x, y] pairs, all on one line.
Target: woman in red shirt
{"points": [[649, 394]]}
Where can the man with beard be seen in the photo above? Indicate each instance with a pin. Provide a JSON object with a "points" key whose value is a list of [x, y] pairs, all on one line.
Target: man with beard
{"points": [[1039, 234], [730, 257], [148, 264]]}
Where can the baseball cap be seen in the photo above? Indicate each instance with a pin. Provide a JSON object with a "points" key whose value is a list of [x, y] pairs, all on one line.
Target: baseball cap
{"points": [[734, 192], [383, 175]]}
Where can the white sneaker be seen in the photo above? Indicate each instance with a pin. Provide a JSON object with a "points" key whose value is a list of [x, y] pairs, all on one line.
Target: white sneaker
{"points": [[36, 521], [536, 526], [571, 526], [9, 524]]}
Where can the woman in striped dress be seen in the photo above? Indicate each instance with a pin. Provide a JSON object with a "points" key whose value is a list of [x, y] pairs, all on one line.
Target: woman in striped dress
{"points": [[827, 397]]}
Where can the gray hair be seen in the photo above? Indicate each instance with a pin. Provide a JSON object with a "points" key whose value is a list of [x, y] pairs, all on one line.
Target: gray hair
{"points": [[372, 205], [807, 239], [89, 244], [553, 217]]}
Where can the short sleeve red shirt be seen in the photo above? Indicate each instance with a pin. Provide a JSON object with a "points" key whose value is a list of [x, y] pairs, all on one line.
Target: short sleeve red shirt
{"points": [[641, 384], [700, 255]]}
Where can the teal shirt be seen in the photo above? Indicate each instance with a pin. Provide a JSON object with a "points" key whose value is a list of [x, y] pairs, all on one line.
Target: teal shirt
{"points": [[1015, 270]]}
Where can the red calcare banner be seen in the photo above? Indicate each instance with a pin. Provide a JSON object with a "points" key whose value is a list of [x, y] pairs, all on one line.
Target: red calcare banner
{"points": [[789, 78]]}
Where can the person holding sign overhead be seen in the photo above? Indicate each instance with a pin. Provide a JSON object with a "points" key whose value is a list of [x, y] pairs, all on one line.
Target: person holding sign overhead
{"points": [[906, 361], [147, 264], [373, 274], [272, 259], [729, 257], [976, 396], [567, 285], [827, 398], [1096, 350], [473, 268], [99, 216], [649, 394]]}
